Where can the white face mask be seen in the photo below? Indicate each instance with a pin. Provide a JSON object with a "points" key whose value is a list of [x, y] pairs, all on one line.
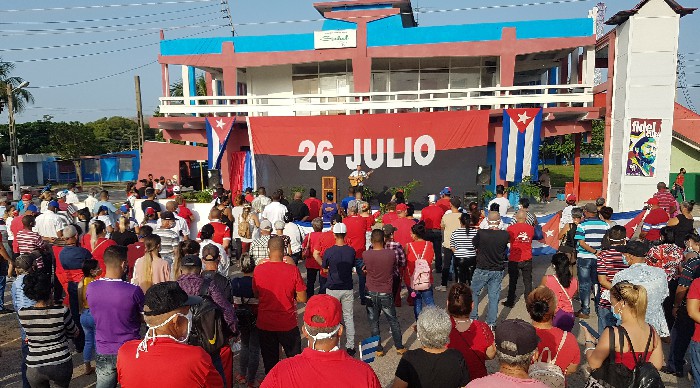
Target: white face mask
{"points": [[151, 333], [322, 336]]}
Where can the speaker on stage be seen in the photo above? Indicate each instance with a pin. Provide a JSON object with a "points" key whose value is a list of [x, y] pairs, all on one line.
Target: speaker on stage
{"points": [[213, 178], [483, 175]]}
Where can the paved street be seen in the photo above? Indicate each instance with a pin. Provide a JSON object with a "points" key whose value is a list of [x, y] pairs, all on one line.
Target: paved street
{"points": [[384, 367]]}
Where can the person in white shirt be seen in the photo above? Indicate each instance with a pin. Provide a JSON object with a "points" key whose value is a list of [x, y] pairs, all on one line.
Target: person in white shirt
{"points": [[49, 224], [71, 196], [161, 193], [358, 173], [566, 213], [91, 200], [501, 200], [206, 234], [296, 235], [261, 201], [180, 227], [275, 211]]}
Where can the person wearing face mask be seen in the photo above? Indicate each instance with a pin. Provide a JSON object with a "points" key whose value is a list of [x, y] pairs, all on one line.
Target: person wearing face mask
{"points": [[163, 358], [116, 307], [611, 260], [653, 279], [321, 362]]}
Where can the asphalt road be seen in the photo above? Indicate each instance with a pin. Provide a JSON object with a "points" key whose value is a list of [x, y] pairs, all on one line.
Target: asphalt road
{"points": [[384, 366]]}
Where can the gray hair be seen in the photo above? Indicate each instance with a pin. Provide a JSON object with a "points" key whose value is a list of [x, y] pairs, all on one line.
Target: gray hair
{"points": [[69, 231], [352, 206], [317, 224], [434, 326], [577, 212], [522, 361]]}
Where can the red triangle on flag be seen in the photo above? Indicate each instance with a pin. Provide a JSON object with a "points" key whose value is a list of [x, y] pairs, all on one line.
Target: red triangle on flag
{"points": [[632, 225], [522, 117], [221, 125], [550, 230]]}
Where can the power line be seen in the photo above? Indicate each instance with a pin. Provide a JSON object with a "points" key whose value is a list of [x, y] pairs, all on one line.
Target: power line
{"points": [[75, 44], [109, 19], [94, 79], [85, 55], [68, 29], [121, 29], [106, 6]]}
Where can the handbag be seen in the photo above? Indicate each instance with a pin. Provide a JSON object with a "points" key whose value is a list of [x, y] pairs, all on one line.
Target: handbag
{"points": [[611, 374]]}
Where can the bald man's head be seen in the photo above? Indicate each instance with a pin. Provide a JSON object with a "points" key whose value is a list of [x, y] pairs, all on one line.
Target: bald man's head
{"points": [[215, 214], [297, 196], [276, 244], [521, 216]]}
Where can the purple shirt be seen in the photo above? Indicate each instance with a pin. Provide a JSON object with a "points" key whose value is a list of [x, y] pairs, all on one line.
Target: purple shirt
{"points": [[116, 307]]}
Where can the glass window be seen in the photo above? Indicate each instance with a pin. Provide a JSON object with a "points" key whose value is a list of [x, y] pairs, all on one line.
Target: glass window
{"points": [[305, 84], [405, 64], [125, 164], [305, 68], [380, 82], [380, 63], [465, 62], [434, 79], [465, 78], [404, 80], [435, 63]]}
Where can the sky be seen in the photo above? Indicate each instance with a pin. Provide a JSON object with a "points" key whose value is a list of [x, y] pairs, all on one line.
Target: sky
{"points": [[103, 43]]}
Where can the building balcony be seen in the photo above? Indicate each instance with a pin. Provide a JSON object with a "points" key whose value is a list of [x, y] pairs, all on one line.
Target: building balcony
{"points": [[488, 98]]}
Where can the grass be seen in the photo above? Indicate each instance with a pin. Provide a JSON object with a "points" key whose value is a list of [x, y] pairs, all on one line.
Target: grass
{"points": [[562, 174]]}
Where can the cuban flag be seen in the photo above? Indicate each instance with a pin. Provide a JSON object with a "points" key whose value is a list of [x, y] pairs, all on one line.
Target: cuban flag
{"points": [[218, 132], [368, 349], [521, 144]]}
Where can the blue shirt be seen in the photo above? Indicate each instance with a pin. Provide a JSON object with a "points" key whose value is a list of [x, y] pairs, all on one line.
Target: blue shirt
{"points": [[344, 203], [72, 257], [329, 214], [592, 231], [339, 260]]}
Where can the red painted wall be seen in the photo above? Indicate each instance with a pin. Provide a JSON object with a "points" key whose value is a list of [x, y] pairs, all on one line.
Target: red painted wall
{"points": [[163, 159]]}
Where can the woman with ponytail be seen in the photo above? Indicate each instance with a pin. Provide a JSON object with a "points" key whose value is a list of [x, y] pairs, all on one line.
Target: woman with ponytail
{"points": [[187, 247], [151, 268], [471, 337], [562, 345], [682, 223], [639, 339], [564, 285], [96, 242]]}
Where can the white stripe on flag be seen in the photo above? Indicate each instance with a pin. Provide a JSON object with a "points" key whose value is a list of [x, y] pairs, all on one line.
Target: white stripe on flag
{"points": [[527, 156], [512, 150]]}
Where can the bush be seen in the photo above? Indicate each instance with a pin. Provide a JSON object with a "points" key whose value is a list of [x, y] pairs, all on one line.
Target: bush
{"points": [[205, 196]]}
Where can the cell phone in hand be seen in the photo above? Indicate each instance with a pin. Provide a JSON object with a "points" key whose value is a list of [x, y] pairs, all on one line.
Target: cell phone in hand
{"points": [[590, 329]]}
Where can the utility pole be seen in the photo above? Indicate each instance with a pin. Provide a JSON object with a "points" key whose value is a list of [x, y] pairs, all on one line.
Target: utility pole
{"points": [[139, 113], [13, 144]]}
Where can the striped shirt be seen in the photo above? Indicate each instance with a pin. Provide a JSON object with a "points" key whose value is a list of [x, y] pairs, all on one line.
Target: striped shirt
{"points": [[169, 239], [28, 241], [609, 264], [591, 230], [46, 329], [666, 201], [462, 240], [399, 254]]}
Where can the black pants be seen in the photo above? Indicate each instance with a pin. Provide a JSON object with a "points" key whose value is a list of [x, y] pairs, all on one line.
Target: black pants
{"points": [[464, 269], [270, 342], [668, 303], [79, 341], [681, 334], [447, 257], [514, 269], [435, 237], [311, 275], [42, 376]]}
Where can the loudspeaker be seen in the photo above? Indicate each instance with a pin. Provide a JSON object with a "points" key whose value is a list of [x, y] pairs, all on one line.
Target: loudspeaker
{"points": [[483, 175], [213, 178]]}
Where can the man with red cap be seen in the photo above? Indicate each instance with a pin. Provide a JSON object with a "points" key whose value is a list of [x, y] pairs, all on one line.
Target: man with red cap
{"points": [[403, 225], [656, 219], [323, 362], [566, 217]]}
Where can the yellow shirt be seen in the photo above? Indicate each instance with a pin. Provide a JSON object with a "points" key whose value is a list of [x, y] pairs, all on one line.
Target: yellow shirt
{"points": [[83, 290]]}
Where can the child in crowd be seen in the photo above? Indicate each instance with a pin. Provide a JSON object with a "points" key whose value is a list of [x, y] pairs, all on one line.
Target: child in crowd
{"points": [[91, 270]]}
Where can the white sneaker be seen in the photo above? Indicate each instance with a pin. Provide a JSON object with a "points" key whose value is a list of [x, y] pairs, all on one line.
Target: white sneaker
{"points": [[441, 288]]}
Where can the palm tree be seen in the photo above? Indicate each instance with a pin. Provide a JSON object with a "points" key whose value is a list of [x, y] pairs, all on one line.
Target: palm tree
{"points": [[20, 97], [200, 86]]}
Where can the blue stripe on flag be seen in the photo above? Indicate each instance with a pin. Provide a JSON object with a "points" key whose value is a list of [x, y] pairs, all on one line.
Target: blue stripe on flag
{"points": [[504, 145], [536, 139], [210, 141], [519, 155], [368, 349]]}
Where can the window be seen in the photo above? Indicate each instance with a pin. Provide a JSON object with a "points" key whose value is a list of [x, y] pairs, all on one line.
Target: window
{"points": [[126, 164]]}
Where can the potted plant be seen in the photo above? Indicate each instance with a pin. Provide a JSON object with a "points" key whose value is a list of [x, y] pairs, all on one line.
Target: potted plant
{"points": [[525, 189]]}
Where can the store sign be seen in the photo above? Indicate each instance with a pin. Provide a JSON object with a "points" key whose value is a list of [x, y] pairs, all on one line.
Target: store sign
{"points": [[335, 39]]}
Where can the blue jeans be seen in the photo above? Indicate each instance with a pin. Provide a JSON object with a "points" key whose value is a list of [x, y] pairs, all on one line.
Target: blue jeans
{"points": [[605, 319], [695, 362], [587, 277], [423, 299], [250, 352], [25, 353], [106, 370], [88, 324], [381, 302], [492, 280]]}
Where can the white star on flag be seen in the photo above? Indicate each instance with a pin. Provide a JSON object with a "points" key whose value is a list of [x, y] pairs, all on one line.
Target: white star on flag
{"points": [[523, 118], [220, 123], [550, 233]]}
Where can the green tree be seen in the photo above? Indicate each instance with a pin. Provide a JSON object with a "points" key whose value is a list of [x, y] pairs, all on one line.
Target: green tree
{"points": [[564, 146], [73, 140], [200, 86], [20, 97]]}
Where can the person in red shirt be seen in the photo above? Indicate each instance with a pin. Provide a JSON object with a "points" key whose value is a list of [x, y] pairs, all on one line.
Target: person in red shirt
{"points": [[562, 345], [278, 287], [432, 217], [444, 201], [312, 267], [314, 204], [520, 258], [403, 225], [16, 225], [693, 307], [666, 200], [356, 237], [222, 233], [96, 242], [324, 241], [183, 211], [656, 219], [390, 215], [323, 362], [163, 358], [418, 248]]}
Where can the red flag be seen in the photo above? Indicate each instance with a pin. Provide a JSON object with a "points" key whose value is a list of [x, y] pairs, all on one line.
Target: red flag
{"points": [[634, 223], [550, 230]]}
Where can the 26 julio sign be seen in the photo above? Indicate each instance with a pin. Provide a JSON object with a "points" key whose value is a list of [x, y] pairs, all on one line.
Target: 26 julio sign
{"points": [[641, 157], [437, 148]]}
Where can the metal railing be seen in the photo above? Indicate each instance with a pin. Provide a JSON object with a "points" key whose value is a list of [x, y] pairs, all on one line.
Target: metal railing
{"points": [[380, 102]]}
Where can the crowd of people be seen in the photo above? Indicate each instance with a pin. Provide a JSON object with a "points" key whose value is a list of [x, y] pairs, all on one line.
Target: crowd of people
{"points": [[95, 276]]}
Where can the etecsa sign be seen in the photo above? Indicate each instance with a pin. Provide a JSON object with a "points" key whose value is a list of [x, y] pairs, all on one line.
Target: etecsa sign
{"points": [[335, 39]]}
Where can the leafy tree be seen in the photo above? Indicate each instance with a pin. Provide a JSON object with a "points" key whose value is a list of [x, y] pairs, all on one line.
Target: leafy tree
{"points": [[565, 146], [117, 133], [73, 140], [200, 86], [20, 97]]}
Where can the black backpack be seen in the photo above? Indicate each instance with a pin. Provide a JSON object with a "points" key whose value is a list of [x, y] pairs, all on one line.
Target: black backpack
{"points": [[644, 374], [209, 329]]}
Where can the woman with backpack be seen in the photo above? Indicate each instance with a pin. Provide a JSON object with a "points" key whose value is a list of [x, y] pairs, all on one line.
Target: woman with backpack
{"points": [[151, 268], [564, 285], [634, 343], [419, 261], [246, 223], [567, 241], [246, 311], [556, 346]]}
